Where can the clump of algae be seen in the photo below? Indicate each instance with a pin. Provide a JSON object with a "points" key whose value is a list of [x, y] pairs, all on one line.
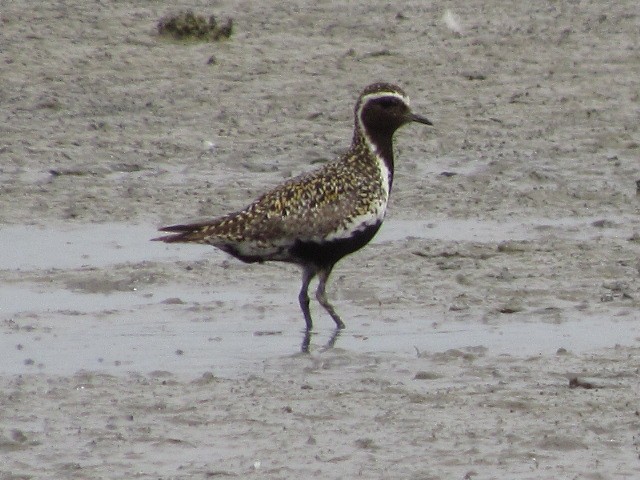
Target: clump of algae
{"points": [[189, 26]]}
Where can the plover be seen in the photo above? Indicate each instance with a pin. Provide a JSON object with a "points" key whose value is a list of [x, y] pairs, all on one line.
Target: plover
{"points": [[319, 217]]}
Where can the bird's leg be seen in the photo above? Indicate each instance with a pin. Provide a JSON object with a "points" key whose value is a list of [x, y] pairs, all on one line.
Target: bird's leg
{"points": [[307, 275], [332, 340], [322, 296], [306, 341]]}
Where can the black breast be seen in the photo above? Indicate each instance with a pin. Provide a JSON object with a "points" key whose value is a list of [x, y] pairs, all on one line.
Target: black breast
{"points": [[327, 253]]}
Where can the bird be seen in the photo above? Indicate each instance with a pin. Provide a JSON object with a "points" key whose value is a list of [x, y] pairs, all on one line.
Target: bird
{"points": [[317, 218]]}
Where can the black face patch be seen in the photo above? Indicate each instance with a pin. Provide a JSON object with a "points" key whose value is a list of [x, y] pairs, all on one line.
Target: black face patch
{"points": [[382, 116]]}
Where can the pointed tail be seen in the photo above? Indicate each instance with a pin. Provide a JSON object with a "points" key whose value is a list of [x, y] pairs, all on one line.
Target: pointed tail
{"points": [[193, 232]]}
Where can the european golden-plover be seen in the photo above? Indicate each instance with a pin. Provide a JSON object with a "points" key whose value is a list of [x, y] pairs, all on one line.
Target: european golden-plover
{"points": [[317, 218]]}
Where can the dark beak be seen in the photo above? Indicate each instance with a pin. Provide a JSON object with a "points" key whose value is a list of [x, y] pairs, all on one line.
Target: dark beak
{"points": [[420, 119]]}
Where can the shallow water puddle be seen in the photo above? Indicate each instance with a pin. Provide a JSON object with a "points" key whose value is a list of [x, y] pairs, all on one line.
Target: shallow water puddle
{"points": [[153, 339], [28, 247], [61, 331], [97, 245], [461, 230]]}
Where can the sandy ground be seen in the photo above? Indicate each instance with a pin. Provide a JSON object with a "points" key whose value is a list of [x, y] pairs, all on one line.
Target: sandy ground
{"points": [[492, 327]]}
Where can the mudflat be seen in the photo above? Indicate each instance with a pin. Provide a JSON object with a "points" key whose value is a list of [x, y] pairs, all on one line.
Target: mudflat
{"points": [[492, 326]]}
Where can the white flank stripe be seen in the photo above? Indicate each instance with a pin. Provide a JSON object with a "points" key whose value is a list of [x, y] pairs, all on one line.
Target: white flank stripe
{"points": [[359, 223]]}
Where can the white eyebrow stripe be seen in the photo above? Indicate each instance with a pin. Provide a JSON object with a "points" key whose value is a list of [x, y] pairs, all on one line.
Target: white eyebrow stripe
{"points": [[377, 95]]}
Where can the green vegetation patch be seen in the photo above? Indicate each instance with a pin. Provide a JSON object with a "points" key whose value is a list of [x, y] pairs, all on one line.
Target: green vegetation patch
{"points": [[189, 26]]}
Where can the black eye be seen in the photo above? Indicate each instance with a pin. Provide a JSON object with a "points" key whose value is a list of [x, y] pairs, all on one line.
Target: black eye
{"points": [[388, 102]]}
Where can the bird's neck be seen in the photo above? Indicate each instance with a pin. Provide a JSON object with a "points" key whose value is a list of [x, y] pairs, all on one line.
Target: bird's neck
{"points": [[380, 148]]}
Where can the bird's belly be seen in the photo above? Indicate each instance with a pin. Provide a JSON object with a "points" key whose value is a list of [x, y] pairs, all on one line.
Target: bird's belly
{"points": [[327, 252]]}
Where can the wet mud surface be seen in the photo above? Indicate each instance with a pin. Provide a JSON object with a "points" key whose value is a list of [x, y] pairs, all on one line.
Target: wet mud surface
{"points": [[492, 325]]}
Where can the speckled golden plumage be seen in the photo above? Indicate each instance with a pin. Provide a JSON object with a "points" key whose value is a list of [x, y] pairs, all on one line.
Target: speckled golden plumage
{"points": [[310, 206], [319, 217]]}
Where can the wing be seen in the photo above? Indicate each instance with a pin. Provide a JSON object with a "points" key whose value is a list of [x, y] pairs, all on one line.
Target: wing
{"points": [[317, 205], [309, 207]]}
